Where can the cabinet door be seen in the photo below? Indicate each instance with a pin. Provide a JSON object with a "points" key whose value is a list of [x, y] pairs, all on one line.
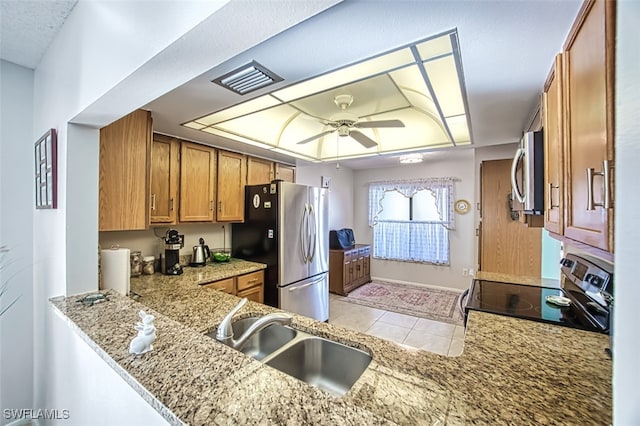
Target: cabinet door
{"points": [[589, 85], [259, 171], [231, 181], [165, 168], [285, 173], [553, 146], [255, 294], [197, 182], [124, 173]]}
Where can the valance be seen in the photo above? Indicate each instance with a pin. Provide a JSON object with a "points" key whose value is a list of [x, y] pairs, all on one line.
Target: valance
{"points": [[442, 189]]}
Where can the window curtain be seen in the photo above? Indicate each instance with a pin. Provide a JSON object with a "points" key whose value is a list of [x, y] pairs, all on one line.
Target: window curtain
{"points": [[413, 241], [441, 188]]}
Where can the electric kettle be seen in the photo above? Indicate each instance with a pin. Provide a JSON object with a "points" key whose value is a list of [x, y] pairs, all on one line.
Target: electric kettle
{"points": [[200, 254]]}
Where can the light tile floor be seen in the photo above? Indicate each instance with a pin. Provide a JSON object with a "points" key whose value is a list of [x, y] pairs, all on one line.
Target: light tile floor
{"points": [[434, 336]]}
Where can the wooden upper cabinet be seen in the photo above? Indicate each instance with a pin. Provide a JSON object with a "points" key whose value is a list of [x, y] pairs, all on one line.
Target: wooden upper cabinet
{"points": [[124, 173], [197, 182], [259, 171], [231, 182], [553, 149], [589, 94], [285, 173], [165, 170]]}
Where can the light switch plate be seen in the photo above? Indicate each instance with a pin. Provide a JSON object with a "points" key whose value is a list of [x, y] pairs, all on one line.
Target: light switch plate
{"points": [[325, 181]]}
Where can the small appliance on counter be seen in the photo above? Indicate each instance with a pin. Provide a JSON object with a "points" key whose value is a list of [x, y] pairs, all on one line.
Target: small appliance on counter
{"points": [[201, 253], [173, 242]]}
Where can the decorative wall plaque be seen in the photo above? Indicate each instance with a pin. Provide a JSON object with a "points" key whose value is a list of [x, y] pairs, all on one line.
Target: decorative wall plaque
{"points": [[46, 156]]}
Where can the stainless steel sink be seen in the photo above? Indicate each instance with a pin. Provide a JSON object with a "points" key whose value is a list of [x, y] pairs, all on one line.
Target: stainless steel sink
{"points": [[265, 341], [320, 362], [328, 365]]}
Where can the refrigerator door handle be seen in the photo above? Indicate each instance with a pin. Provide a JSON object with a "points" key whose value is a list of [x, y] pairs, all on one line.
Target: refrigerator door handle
{"points": [[313, 234], [300, 287], [303, 234]]}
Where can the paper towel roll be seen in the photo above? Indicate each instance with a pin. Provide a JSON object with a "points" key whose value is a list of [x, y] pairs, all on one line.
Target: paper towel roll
{"points": [[116, 269]]}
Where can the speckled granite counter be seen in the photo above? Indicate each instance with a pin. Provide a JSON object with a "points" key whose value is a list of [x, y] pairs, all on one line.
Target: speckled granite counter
{"points": [[517, 279], [511, 372]]}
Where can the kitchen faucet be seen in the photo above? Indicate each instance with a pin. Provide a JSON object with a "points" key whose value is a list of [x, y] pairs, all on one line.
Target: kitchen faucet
{"points": [[225, 331]]}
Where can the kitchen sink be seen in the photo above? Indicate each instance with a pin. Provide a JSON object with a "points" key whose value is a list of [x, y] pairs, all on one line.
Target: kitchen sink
{"points": [[264, 342], [320, 362], [328, 365]]}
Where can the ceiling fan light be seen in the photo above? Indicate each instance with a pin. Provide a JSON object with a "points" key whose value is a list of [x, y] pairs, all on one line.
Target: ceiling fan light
{"points": [[411, 158]]}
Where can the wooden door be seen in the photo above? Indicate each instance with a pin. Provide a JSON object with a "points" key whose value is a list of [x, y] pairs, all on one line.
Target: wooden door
{"points": [[589, 87], [197, 182], [231, 181], [285, 173], [165, 169], [259, 171], [124, 173], [553, 147], [508, 246]]}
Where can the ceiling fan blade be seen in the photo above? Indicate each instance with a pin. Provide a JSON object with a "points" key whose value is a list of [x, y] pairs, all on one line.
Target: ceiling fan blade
{"points": [[364, 140], [312, 138], [379, 123]]}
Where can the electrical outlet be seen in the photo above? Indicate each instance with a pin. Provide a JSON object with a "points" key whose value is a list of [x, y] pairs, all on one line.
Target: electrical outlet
{"points": [[471, 272], [465, 272]]}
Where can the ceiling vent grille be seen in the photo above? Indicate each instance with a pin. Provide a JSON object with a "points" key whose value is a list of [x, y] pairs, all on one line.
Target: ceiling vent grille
{"points": [[247, 78]]}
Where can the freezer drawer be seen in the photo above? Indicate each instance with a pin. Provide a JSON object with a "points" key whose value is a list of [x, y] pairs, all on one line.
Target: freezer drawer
{"points": [[309, 297]]}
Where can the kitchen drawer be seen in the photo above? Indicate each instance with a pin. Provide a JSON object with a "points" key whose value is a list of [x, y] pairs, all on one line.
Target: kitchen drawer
{"points": [[250, 280], [225, 285]]}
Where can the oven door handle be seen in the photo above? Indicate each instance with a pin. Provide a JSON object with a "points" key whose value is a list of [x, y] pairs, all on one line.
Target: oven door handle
{"points": [[461, 300]]}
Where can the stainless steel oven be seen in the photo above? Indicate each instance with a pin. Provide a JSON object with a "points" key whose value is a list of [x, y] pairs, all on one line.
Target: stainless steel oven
{"points": [[583, 299]]}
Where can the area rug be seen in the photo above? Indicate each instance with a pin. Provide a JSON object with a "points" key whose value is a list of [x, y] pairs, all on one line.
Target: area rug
{"points": [[423, 302]]}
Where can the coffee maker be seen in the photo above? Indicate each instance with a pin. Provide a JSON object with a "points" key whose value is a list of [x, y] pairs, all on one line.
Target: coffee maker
{"points": [[173, 242]]}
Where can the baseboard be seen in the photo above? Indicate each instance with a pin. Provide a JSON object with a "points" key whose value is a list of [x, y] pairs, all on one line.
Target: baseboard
{"points": [[436, 287]]}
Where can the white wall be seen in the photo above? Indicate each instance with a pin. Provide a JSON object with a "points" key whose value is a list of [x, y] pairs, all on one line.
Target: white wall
{"points": [[340, 191], [626, 369], [458, 164], [109, 59], [150, 241], [16, 204]]}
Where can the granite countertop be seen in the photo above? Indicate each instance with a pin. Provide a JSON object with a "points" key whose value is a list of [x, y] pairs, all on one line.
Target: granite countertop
{"points": [[511, 371], [517, 279]]}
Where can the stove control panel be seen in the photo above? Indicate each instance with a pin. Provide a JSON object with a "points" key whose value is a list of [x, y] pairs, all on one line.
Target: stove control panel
{"points": [[593, 276]]}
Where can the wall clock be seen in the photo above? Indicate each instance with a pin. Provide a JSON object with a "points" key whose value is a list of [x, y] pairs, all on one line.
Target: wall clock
{"points": [[462, 206]]}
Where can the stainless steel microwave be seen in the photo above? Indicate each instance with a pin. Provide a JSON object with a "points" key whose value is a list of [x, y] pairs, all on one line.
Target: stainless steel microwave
{"points": [[527, 173]]}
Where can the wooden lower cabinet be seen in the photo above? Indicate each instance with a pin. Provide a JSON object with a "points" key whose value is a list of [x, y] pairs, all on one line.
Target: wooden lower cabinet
{"points": [[349, 268], [249, 285]]}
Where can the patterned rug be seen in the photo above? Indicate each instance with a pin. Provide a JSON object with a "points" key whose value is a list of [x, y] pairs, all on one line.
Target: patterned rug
{"points": [[423, 302]]}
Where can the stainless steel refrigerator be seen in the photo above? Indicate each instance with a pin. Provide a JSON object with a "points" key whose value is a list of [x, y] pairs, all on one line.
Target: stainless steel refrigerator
{"points": [[286, 228]]}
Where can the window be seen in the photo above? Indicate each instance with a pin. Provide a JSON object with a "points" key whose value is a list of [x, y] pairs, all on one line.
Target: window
{"points": [[411, 219]]}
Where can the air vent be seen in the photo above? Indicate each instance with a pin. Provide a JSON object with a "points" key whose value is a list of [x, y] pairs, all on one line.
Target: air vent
{"points": [[247, 78]]}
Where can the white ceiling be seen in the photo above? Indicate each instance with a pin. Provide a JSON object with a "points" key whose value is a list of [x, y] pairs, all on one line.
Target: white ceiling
{"points": [[507, 49], [28, 27]]}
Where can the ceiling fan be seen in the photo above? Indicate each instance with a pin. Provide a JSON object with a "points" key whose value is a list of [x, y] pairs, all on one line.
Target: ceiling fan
{"points": [[346, 124]]}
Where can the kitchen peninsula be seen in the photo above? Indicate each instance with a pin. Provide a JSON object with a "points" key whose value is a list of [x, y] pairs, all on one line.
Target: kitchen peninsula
{"points": [[512, 371]]}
